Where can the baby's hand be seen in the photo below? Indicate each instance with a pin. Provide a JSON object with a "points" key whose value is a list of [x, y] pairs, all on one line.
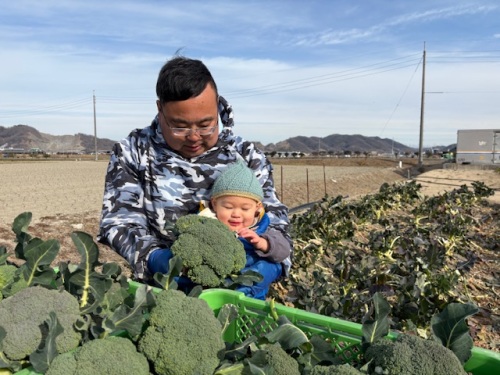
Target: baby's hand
{"points": [[257, 241]]}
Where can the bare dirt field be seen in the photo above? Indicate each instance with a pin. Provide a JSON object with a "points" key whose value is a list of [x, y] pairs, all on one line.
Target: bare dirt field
{"points": [[66, 196]]}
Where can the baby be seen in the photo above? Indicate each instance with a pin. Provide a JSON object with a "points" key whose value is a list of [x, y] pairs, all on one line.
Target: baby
{"points": [[236, 200]]}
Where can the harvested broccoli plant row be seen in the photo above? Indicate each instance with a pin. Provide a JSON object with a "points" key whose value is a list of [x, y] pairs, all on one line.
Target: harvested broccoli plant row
{"points": [[418, 251]]}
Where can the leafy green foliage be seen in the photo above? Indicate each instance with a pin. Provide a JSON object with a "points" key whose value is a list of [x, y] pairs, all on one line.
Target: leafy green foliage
{"points": [[381, 353], [98, 293], [415, 250], [450, 328], [47, 351], [260, 354], [7, 274], [411, 354], [374, 329]]}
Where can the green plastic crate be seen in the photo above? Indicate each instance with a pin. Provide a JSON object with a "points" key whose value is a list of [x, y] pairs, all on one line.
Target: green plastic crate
{"points": [[254, 318]]}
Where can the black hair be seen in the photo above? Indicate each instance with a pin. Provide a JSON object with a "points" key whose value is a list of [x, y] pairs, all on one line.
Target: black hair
{"points": [[182, 78]]}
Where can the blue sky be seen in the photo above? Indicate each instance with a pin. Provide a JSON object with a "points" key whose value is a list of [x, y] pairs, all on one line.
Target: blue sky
{"points": [[289, 68]]}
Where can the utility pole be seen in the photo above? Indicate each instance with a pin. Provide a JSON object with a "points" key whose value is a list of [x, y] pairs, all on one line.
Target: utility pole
{"points": [[422, 101], [95, 130]]}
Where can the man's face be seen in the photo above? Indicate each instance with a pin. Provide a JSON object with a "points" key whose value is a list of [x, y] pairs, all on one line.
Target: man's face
{"points": [[199, 114]]}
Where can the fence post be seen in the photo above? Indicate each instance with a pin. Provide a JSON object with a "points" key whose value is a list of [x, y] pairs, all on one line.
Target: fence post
{"points": [[282, 199], [307, 183], [324, 178]]}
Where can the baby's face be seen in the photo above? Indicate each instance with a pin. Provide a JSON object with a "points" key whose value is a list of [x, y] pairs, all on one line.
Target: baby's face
{"points": [[236, 212]]}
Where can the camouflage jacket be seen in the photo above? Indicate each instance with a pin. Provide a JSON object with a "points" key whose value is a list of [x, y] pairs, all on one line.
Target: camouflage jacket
{"points": [[149, 186]]}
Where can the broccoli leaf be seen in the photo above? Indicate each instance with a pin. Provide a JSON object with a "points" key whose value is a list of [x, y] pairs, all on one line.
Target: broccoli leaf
{"points": [[167, 281], [4, 363], [288, 335], [230, 369], [87, 249], [20, 228], [238, 351], [3, 255], [257, 365], [111, 269], [90, 257], [21, 223], [115, 296], [39, 255], [322, 352], [373, 329], [450, 328], [64, 274], [246, 278], [92, 288], [228, 313], [196, 291], [131, 318], [47, 351]]}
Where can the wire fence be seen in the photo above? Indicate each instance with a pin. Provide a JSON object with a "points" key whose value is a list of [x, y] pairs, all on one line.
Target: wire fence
{"points": [[301, 185]]}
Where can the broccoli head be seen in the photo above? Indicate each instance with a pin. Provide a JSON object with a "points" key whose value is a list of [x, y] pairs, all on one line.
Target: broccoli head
{"points": [[22, 317], [412, 355], [183, 337], [208, 249], [111, 355], [344, 369], [275, 360]]}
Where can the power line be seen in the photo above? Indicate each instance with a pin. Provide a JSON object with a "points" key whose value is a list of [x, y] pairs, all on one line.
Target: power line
{"points": [[323, 79], [78, 103], [400, 99], [381, 67]]}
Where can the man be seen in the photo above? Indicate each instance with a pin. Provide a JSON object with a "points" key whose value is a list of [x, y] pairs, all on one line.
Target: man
{"points": [[162, 172]]}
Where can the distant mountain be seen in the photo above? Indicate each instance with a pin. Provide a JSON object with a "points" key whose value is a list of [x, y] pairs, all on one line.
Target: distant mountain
{"points": [[26, 137], [337, 143]]}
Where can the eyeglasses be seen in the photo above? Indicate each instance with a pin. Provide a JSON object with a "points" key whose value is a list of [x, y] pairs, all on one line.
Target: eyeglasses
{"points": [[188, 131], [185, 132]]}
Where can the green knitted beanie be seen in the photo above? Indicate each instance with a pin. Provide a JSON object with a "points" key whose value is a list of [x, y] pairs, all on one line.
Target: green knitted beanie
{"points": [[238, 180]]}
